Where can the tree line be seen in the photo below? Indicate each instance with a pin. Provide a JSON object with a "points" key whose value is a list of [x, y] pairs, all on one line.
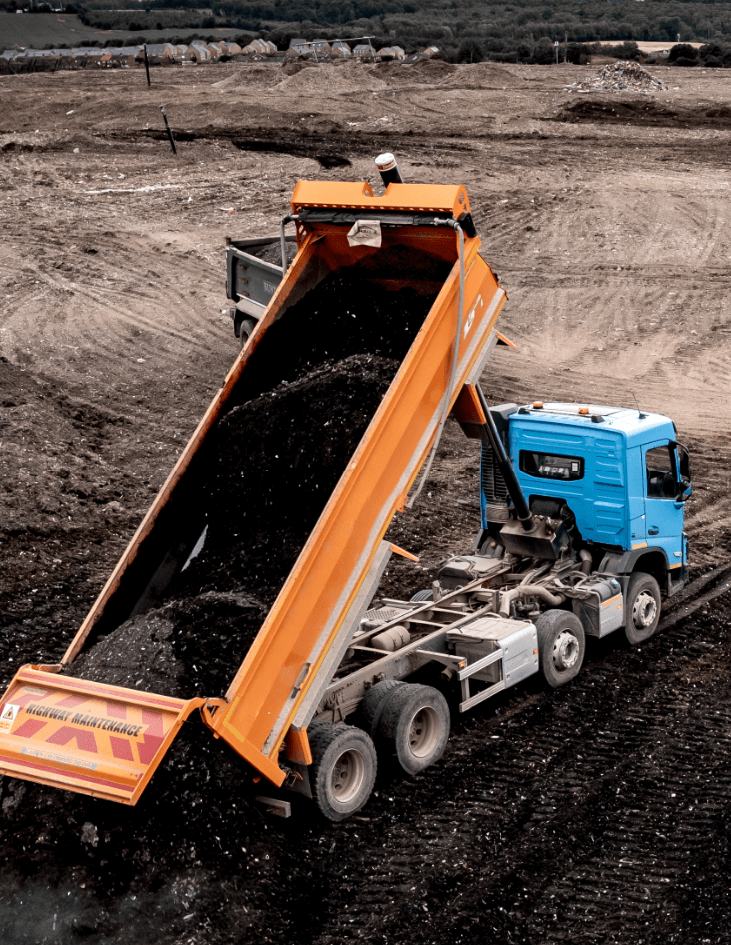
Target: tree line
{"points": [[503, 30]]}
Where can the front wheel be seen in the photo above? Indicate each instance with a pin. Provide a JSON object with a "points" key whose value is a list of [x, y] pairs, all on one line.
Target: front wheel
{"points": [[561, 646], [642, 613], [343, 769]]}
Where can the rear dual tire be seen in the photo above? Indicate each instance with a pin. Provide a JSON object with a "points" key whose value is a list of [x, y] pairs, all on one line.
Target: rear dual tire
{"points": [[245, 329], [409, 723], [343, 769]]}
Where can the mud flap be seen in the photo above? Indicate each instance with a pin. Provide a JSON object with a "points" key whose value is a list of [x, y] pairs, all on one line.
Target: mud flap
{"points": [[84, 736]]}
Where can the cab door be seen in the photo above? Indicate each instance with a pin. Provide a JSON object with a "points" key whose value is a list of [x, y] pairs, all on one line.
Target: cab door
{"points": [[664, 515]]}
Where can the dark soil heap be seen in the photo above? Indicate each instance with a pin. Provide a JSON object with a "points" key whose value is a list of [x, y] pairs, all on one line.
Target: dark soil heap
{"points": [[276, 461], [279, 459]]}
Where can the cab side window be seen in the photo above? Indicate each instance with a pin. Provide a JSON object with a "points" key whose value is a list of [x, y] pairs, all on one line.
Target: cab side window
{"points": [[660, 473]]}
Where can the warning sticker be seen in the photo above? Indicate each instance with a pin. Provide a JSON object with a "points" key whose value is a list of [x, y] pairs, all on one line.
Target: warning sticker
{"points": [[7, 716]]}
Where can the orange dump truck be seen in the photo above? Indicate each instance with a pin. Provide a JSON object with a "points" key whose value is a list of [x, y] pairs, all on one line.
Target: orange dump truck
{"points": [[316, 660]]}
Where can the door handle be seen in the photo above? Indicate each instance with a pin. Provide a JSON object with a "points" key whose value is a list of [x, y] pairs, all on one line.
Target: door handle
{"points": [[653, 531]]}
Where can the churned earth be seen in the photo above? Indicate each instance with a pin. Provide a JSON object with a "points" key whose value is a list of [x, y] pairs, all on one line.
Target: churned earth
{"points": [[595, 813]]}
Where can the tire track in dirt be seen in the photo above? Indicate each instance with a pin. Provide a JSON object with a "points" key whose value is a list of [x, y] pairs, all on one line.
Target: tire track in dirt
{"points": [[103, 296], [542, 847]]}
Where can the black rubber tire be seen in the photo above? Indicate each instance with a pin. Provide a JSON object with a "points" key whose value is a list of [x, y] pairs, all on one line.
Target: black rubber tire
{"points": [[413, 728], [374, 701], [642, 608], [559, 656], [421, 596], [343, 769], [245, 329]]}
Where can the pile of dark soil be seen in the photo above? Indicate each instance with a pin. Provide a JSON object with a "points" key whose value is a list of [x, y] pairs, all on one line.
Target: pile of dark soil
{"points": [[271, 253], [146, 868], [297, 65], [277, 459], [424, 70], [644, 112]]}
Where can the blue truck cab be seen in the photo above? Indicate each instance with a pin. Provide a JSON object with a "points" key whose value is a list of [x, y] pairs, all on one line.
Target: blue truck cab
{"points": [[617, 477]]}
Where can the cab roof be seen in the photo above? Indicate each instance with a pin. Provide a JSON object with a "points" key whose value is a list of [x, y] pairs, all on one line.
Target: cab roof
{"points": [[635, 425]]}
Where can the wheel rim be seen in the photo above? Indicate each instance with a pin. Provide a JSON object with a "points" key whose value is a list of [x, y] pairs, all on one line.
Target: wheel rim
{"points": [[347, 775], [424, 732], [644, 610], [565, 651]]}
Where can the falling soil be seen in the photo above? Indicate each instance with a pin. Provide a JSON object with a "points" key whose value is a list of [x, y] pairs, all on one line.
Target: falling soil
{"points": [[274, 464], [279, 459]]}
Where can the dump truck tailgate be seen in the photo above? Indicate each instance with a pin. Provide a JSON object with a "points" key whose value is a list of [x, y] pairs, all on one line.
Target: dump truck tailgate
{"points": [[85, 736], [250, 281]]}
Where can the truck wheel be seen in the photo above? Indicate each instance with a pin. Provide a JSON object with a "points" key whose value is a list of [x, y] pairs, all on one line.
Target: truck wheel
{"points": [[561, 646], [343, 769], [421, 596], [642, 613], [245, 329], [414, 727], [374, 702]]}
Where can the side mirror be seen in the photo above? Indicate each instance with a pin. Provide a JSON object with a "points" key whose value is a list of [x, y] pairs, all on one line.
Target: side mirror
{"points": [[684, 490], [684, 456]]}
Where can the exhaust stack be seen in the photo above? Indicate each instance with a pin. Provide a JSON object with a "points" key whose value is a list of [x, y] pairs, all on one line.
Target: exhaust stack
{"points": [[388, 169]]}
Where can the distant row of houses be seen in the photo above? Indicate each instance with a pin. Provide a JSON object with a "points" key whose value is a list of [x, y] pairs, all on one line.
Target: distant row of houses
{"points": [[18, 60], [339, 49]]}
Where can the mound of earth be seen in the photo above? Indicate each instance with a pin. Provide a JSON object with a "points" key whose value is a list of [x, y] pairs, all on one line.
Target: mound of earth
{"points": [[480, 75], [328, 77], [426, 72], [619, 77], [252, 75], [138, 870], [645, 111], [293, 67]]}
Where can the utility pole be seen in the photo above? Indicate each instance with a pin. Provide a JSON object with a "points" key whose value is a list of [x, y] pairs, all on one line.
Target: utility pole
{"points": [[566, 47], [147, 66], [555, 46]]}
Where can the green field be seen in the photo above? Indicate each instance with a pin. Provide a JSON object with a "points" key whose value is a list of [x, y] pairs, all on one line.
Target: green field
{"points": [[36, 30]]}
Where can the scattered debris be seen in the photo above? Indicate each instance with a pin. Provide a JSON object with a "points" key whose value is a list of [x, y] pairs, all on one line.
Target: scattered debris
{"points": [[619, 77], [89, 834], [134, 190]]}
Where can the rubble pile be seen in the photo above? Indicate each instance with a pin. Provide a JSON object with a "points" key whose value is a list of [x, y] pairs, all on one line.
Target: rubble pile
{"points": [[619, 77]]}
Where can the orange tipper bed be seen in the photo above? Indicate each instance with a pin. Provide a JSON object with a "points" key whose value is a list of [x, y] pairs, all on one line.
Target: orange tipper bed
{"points": [[107, 741]]}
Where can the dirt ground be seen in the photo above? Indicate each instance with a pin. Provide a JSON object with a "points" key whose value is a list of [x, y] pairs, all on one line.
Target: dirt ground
{"points": [[593, 814]]}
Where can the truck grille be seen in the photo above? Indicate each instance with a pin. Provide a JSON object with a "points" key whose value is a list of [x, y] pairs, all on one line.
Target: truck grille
{"points": [[491, 479]]}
